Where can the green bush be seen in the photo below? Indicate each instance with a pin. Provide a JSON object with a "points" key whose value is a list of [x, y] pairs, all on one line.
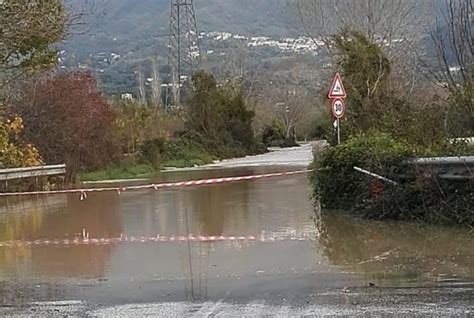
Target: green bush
{"points": [[152, 152], [274, 136], [186, 152], [123, 170], [431, 200], [321, 127], [218, 120], [338, 186]]}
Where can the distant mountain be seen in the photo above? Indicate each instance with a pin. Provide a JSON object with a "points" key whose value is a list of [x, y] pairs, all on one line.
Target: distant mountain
{"points": [[123, 35], [136, 20]]}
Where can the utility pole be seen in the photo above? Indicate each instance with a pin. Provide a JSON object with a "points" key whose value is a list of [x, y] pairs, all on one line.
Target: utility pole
{"points": [[184, 54]]}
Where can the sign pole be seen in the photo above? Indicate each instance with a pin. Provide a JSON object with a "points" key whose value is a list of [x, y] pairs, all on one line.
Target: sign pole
{"points": [[337, 95], [338, 131]]}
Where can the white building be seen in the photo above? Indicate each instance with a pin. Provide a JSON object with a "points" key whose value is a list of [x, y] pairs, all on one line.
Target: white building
{"points": [[127, 96]]}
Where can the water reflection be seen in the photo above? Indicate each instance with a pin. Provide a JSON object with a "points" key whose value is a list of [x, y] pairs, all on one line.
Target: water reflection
{"points": [[58, 217], [397, 252], [345, 250]]}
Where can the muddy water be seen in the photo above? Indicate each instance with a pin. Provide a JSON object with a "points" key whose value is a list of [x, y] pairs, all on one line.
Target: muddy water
{"points": [[339, 253]]}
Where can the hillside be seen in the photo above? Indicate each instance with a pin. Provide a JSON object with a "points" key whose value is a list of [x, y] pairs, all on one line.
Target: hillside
{"points": [[119, 22], [122, 36]]}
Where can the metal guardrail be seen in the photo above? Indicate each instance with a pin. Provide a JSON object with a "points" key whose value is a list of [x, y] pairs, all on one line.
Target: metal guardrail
{"points": [[468, 140], [32, 172], [450, 168]]}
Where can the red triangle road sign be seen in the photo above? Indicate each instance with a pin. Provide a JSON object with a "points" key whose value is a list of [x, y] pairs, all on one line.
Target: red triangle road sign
{"points": [[337, 88]]}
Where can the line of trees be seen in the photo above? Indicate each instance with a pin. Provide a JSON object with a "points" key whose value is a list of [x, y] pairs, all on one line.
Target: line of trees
{"points": [[52, 116], [382, 48], [395, 113], [65, 117]]}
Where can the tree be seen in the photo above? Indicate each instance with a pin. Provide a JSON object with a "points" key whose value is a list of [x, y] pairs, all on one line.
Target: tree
{"points": [[141, 85], [130, 121], [27, 30], [452, 36], [155, 84], [397, 26], [387, 21], [366, 70], [375, 101], [218, 115], [16, 152], [69, 121]]}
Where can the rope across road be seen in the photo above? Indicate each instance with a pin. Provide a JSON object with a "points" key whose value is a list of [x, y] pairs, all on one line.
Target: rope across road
{"points": [[157, 186], [85, 240]]}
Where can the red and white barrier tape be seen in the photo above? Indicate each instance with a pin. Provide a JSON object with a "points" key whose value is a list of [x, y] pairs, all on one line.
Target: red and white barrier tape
{"points": [[156, 186], [155, 239]]}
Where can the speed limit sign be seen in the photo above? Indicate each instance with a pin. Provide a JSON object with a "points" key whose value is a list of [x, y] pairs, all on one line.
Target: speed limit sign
{"points": [[338, 108]]}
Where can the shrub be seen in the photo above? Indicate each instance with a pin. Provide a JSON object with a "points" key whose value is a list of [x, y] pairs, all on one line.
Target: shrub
{"points": [[185, 151], [70, 121], [336, 182], [274, 136], [152, 151], [217, 118], [14, 150], [124, 169], [337, 185], [321, 127]]}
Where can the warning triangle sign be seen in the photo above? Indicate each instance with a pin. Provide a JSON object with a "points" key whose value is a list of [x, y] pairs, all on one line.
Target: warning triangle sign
{"points": [[337, 88]]}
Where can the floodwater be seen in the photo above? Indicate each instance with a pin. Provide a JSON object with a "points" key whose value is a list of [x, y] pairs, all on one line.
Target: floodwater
{"points": [[303, 261]]}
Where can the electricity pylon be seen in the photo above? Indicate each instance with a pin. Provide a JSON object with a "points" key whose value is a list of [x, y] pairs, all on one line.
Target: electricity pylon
{"points": [[184, 53]]}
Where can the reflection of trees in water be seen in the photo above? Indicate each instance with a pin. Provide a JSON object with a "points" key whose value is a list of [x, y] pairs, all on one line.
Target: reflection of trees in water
{"points": [[217, 206], [236, 209], [21, 219], [98, 215], [395, 249], [208, 211]]}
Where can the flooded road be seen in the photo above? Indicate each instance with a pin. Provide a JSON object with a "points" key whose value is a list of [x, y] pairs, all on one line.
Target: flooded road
{"points": [[277, 255]]}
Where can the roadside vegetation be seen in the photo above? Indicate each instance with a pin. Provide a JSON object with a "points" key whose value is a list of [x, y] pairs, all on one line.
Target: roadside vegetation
{"points": [[389, 122], [51, 116]]}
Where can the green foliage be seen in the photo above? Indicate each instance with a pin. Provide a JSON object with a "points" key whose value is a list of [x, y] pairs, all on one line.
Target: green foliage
{"points": [[186, 152], [274, 136], [216, 124], [429, 200], [373, 102], [366, 70], [362, 60], [124, 170], [133, 122], [152, 152], [339, 186], [217, 118], [460, 116], [321, 127], [28, 30]]}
